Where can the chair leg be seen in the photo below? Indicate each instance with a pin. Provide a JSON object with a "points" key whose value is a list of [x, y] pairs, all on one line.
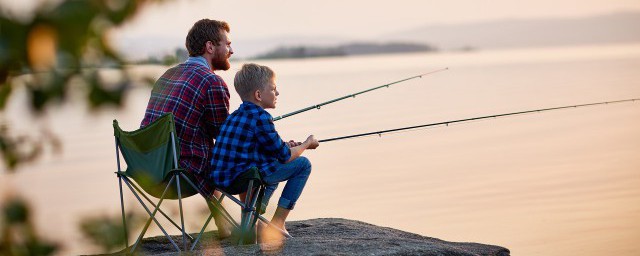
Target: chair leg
{"points": [[246, 213], [159, 210], [223, 211], [139, 239], [152, 216], [184, 238], [254, 211], [216, 203], [201, 232], [124, 218]]}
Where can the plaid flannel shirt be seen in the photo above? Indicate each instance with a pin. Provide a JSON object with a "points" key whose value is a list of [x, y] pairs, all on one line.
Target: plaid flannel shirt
{"points": [[247, 139], [199, 101]]}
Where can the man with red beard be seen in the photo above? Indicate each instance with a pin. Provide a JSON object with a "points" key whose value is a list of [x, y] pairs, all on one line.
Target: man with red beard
{"points": [[198, 99]]}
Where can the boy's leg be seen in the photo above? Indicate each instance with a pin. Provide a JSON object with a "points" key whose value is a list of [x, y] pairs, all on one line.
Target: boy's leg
{"points": [[270, 234], [268, 192], [279, 217], [296, 173]]}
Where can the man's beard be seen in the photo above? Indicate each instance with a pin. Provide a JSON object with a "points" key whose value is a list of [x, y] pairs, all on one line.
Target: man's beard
{"points": [[221, 63]]}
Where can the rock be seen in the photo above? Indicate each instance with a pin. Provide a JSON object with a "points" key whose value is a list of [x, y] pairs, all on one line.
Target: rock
{"points": [[330, 236]]}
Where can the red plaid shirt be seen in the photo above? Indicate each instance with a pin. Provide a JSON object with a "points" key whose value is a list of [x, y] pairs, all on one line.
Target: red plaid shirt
{"points": [[199, 101]]}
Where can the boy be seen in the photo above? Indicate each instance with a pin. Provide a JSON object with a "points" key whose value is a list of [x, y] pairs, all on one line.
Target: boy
{"points": [[248, 139]]}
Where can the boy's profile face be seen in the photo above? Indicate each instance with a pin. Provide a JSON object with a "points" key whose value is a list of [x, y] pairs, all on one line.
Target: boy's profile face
{"points": [[268, 95]]}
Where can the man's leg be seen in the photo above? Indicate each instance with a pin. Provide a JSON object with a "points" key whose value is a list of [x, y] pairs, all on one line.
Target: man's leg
{"points": [[224, 228]]}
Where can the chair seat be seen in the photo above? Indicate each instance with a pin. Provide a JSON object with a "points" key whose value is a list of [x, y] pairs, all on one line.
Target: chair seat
{"points": [[156, 189], [239, 184]]}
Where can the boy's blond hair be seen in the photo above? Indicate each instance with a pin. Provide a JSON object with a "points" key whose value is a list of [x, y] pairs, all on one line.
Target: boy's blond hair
{"points": [[250, 78]]}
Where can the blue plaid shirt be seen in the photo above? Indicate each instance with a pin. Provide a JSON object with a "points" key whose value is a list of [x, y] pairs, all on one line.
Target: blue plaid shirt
{"points": [[247, 139]]}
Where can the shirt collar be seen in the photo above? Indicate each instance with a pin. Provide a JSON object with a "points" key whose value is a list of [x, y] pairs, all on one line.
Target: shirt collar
{"points": [[198, 60], [249, 104]]}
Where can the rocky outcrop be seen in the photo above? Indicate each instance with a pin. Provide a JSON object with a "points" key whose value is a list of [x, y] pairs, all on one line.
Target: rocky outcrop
{"points": [[331, 237]]}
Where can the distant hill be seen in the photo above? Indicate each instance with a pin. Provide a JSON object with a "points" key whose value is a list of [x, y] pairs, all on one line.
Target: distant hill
{"points": [[612, 28], [343, 50]]}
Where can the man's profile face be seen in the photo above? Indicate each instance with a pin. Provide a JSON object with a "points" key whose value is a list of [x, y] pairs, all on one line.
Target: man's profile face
{"points": [[222, 53]]}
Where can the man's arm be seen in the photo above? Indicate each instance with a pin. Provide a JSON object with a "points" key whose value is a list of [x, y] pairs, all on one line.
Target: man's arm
{"points": [[216, 106]]}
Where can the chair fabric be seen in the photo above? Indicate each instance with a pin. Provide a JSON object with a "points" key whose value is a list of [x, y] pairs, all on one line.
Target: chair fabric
{"points": [[150, 159]]}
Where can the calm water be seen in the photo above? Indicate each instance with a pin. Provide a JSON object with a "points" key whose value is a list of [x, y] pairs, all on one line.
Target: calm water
{"points": [[556, 183]]}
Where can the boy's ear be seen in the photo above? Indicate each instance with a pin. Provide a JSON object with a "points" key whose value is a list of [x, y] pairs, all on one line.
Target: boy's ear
{"points": [[257, 95]]}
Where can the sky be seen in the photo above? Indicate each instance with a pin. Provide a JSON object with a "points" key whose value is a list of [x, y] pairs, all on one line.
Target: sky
{"points": [[252, 20], [259, 19]]}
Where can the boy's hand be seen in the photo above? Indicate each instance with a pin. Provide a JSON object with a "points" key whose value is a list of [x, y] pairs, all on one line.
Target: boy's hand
{"points": [[312, 142], [293, 143]]}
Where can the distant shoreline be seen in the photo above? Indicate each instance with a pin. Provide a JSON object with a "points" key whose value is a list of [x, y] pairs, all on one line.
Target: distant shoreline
{"points": [[351, 49]]}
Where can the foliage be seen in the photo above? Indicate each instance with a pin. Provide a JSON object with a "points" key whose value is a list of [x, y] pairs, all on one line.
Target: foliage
{"points": [[59, 46], [17, 233], [180, 55], [107, 232]]}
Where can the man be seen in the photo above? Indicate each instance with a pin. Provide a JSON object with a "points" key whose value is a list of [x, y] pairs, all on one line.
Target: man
{"points": [[198, 99]]}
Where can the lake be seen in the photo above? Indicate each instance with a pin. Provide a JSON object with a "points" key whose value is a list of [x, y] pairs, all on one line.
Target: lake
{"points": [[564, 182]]}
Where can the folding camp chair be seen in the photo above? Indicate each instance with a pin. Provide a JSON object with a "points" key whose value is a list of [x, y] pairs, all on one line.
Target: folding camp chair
{"points": [[151, 154]]}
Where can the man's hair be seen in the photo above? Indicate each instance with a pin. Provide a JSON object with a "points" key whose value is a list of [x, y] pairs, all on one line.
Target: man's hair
{"points": [[202, 31], [250, 78]]}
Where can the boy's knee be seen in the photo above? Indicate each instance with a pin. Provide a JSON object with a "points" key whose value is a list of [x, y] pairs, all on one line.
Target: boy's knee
{"points": [[305, 163]]}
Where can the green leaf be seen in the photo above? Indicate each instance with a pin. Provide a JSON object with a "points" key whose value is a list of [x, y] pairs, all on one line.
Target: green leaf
{"points": [[15, 212]]}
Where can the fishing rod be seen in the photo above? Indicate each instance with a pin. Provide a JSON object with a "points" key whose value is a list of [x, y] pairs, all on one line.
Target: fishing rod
{"points": [[446, 123], [354, 95]]}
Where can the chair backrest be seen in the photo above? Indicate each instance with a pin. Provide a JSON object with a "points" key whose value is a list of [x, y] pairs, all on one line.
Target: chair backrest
{"points": [[151, 154]]}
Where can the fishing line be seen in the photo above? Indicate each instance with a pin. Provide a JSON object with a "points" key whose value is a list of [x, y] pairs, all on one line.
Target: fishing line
{"points": [[447, 123], [318, 106]]}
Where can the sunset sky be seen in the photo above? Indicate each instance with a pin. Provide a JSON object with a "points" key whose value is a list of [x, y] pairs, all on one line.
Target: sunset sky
{"points": [[256, 19], [166, 23]]}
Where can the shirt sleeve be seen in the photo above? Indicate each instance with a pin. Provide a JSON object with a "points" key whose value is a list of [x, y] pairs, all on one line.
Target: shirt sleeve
{"points": [[216, 106], [269, 141]]}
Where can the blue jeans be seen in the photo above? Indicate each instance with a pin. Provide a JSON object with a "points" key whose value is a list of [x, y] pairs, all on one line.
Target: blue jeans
{"points": [[296, 174]]}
